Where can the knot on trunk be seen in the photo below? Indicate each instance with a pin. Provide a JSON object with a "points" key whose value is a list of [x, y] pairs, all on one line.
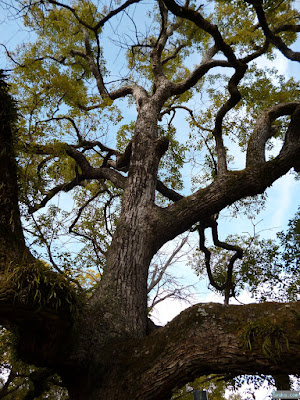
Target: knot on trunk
{"points": [[124, 159], [161, 145]]}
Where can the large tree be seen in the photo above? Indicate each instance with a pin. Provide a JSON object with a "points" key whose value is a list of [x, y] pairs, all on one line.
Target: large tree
{"points": [[125, 178]]}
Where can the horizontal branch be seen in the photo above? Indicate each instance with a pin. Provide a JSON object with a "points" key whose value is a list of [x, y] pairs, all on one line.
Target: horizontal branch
{"points": [[65, 187], [259, 52], [287, 28], [180, 107], [88, 172], [112, 13], [196, 75], [211, 339], [138, 92], [167, 192]]}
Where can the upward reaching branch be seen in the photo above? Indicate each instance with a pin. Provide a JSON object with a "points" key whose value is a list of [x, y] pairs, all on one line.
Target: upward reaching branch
{"points": [[202, 23], [208, 63], [225, 190]]}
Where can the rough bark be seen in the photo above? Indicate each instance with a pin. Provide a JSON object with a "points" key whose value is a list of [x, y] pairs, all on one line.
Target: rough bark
{"points": [[11, 234], [131, 251]]}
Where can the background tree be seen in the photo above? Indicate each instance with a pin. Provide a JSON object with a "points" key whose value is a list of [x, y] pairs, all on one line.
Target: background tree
{"points": [[125, 182], [214, 385]]}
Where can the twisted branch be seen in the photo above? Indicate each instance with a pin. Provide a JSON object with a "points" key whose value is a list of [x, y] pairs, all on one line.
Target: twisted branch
{"points": [[228, 285]]}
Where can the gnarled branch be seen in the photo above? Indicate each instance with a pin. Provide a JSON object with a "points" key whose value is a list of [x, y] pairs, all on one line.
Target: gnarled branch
{"points": [[228, 285], [263, 131]]}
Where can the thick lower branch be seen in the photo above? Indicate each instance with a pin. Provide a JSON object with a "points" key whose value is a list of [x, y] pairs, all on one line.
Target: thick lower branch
{"points": [[213, 338]]}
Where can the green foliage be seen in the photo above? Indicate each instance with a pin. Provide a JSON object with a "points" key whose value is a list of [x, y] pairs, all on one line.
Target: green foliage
{"points": [[54, 83], [260, 88], [291, 243], [58, 34], [259, 266], [214, 385], [275, 266], [266, 335], [58, 99], [237, 21], [37, 286]]}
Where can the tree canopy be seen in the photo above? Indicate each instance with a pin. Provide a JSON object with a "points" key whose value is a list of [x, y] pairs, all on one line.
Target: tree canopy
{"points": [[109, 108]]}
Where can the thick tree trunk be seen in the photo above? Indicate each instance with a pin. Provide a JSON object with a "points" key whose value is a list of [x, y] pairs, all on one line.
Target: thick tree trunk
{"points": [[120, 302], [11, 234]]}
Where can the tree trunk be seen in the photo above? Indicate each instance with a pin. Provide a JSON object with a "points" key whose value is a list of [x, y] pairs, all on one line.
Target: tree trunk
{"points": [[120, 303], [11, 234]]}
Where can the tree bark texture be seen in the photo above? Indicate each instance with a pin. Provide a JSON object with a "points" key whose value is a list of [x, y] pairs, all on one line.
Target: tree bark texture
{"points": [[106, 353], [131, 249], [11, 234]]}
